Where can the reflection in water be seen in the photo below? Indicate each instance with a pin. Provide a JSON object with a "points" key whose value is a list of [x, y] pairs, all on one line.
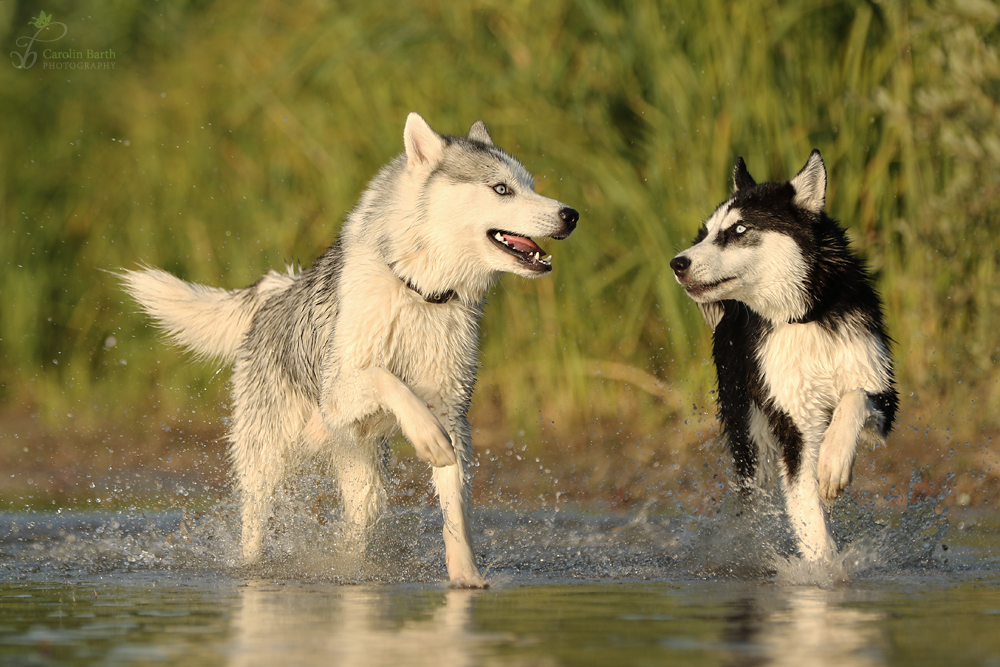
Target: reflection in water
{"points": [[805, 626], [569, 588], [354, 625], [187, 619], [288, 624], [815, 630]]}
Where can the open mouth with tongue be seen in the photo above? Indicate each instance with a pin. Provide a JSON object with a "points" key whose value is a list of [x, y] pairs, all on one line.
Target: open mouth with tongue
{"points": [[523, 248]]}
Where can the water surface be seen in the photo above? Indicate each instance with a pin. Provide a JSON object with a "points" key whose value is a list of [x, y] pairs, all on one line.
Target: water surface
{"points": [[568, 588]]}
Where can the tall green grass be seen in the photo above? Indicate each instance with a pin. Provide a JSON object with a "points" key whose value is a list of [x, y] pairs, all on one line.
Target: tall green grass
{"points": [[233, 137]]}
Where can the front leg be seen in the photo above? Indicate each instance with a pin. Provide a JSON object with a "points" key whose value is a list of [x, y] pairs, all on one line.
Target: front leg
{"points": [[452, 487], [805, 512], [358, 394], [800, 483], [840, 443]]}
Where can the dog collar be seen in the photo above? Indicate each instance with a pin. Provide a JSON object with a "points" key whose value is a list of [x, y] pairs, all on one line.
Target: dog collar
{"points": [[436, 297]]}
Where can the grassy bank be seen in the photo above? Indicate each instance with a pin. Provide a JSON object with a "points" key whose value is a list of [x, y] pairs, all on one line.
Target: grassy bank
{"points": [[231, 138]]}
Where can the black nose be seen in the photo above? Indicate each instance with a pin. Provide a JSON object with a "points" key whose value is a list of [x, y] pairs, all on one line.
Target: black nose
{"points": [[570, 217], [680, 264]]}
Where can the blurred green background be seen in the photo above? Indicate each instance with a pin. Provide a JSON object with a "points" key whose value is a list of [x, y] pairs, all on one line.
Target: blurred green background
{"points": [[233, 137]]}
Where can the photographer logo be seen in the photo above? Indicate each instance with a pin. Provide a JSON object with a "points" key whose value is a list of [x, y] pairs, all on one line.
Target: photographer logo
{"points": [[48, 31]]}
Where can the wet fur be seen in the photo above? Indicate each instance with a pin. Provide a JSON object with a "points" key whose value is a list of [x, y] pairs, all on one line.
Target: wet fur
{"points": [[379, 335], [799, 343]]}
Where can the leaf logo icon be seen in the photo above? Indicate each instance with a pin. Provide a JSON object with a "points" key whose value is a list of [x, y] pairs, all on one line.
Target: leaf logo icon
{"points": [[41, 20]]}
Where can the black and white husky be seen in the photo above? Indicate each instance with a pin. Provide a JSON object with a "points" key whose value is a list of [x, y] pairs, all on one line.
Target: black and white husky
{"points": [[799, 342], [380, 333]]}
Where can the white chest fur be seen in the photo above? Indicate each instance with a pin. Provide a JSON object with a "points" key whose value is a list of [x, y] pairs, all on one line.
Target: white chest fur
{"points": [[429, 346], [808, 368]]}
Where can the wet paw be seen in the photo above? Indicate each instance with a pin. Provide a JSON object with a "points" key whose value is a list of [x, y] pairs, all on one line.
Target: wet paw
{"points": [[476, 582], [429, 439], [834, 475], [435, 448]]}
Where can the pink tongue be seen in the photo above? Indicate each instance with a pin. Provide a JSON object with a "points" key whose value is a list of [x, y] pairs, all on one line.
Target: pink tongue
{"points": [[522, 244]]}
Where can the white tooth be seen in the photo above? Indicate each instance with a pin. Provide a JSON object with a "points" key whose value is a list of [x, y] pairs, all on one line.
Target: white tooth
{"points": [[499, 237]]}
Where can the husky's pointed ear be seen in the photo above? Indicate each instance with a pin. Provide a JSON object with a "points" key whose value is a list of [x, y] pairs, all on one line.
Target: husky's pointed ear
{"points": [[810, 184], [424, 146], [478, 132], [741, 177]]}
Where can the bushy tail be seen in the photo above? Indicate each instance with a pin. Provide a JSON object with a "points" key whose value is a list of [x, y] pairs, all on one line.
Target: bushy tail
{"points": [[209, 321]]}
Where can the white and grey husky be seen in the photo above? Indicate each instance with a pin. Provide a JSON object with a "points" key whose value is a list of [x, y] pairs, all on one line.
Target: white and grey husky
{"points": [[800, 346], [381, 332]]}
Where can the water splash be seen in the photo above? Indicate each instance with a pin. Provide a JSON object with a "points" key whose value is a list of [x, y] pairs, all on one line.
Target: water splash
{"points": [[734, 539]]}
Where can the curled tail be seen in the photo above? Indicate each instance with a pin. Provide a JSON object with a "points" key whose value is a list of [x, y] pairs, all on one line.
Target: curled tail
{"points": [[209, 321]]}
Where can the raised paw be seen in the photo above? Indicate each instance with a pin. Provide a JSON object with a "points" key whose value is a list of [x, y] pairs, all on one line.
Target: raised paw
{"points": [[840, 443], [834, 472], [429, 439]]}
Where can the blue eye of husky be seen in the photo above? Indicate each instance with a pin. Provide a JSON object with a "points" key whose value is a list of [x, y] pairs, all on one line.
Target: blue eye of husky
{"points": [[740, 229], [502, 189]]}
